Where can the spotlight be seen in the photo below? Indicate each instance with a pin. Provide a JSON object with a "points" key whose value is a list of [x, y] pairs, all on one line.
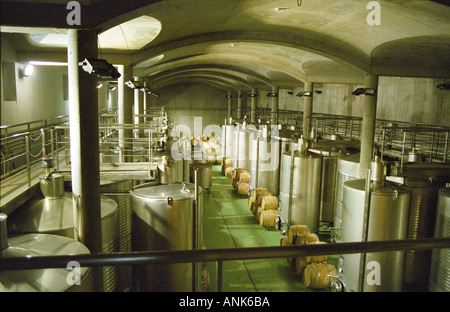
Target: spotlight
{"points": [[318, 92], [304, 93], [444, 86], [271, 94], [101, 68], [252, 95], [134, 84], [358, 91], [365, 91]]}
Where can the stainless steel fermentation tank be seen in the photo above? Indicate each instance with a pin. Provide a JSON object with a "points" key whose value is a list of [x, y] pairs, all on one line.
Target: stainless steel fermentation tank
{"points": [[229, 141], [204, 175], [269, 159], [300, 182], [330, 157], [54, 215], [41, 280], [170, 170], [373, 211], [347, 169], [440, 260], [167, 217], [253, 156]]}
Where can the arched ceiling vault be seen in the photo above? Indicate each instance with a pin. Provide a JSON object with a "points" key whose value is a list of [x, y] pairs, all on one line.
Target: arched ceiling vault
{"points": [[249, 43]]}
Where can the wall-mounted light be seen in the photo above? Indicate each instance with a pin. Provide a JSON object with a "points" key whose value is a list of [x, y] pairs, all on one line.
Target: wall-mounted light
{"points": [[443, 86], [252, 95], [228, 96], [271, 94], [304, 93], [28, 70], [99, 85], [318, 92], [134, 84], [365, 91]]}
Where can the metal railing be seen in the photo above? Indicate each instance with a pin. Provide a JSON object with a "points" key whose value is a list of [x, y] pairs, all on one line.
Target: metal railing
{"points": [[219, 255]]}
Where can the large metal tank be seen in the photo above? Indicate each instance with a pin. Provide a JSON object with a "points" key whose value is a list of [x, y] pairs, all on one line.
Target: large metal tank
{"points": [[41, 280], [347, 170], [243, 160], [170, 170], [268, 161], [440, 260], [300, 189], [422, 215], [163, 219], [382, 215], [54, 215], [253, 156], [229, 141], [330, 156], [204, 175]]}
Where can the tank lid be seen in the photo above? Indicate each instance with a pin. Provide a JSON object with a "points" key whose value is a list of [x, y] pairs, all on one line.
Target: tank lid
{"points": [[53, 214], [177, 191], [51, 280]]}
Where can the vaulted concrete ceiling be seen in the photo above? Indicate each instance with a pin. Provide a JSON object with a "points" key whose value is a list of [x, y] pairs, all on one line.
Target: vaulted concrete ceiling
{"points": [[245, 44]]}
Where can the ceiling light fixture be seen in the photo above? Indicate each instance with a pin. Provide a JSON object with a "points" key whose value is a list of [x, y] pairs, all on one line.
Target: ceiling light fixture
{"points": [[101, 68]]}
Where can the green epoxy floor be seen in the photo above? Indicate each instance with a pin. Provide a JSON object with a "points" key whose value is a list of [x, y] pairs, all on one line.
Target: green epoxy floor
{"points": [[228, 223]]}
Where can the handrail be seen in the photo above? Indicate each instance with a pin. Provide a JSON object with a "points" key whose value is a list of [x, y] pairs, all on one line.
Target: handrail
{"points": [[187, 256]]}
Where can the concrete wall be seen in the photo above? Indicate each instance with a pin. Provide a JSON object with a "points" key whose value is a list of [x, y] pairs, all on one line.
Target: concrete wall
{"points": [[183, 102], [40, 96], [416, 100]]}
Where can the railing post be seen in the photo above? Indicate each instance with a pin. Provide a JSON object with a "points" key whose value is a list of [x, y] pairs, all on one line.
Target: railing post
{"points": [[44, 153], [27, 151], [219, 276]]}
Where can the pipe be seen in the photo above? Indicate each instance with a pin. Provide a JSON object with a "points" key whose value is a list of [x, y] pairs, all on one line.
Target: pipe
{"points": [[274, 113], [185, 256], [368, 125], [253, 106], [230, 99], [307, 110], [239, 105]]}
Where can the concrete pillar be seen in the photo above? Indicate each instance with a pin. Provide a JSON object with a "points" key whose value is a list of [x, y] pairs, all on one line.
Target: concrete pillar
{"points": [[230, 100], [125, 99], [239, 105], [307, 110], [84, 144], [253, 106], [145, 103], [274, 113], [138, 108], [368, 125]]}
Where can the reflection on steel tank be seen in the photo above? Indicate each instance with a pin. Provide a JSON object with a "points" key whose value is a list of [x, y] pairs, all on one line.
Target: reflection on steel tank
{"points": [[41, 280], [382, 215], [163, 219]]}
